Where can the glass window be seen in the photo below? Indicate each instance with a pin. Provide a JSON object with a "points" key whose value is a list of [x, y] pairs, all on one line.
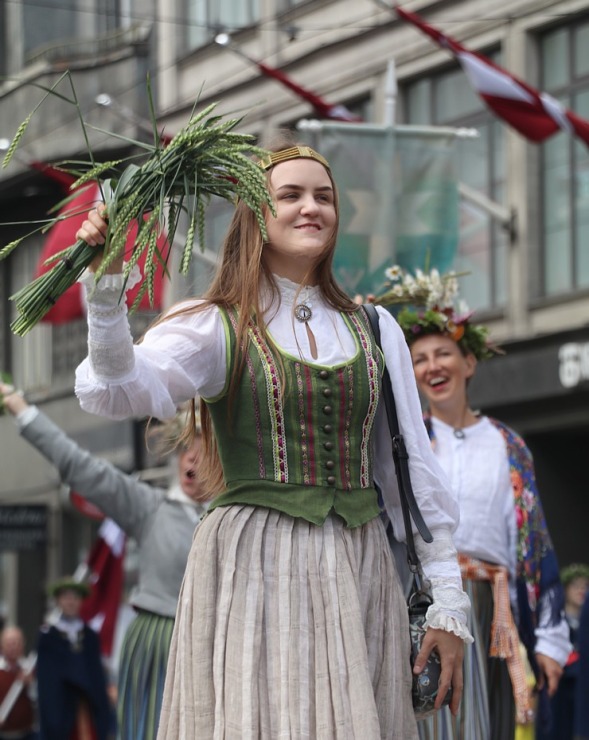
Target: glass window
{"points": [[555, 54], [581, 160], [446, 99], [582, 50], [454, 97], [564, 182], [205, 18], [51, 21], [108, 16], [56, 22], [419, 102]]}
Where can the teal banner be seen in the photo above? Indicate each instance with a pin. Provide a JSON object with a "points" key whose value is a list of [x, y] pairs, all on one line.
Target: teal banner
{"points": [[399, 199]]}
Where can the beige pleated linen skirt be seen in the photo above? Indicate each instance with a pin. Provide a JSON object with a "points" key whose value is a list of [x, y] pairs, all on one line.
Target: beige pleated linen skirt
{"points": [[286, 629]]}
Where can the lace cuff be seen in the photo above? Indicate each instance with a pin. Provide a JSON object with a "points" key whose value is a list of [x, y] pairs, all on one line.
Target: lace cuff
{"points": [[105, 295], [450, 609], [451, 606]]}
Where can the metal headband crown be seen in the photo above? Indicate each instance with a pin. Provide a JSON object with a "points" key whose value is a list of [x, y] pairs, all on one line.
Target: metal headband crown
{"points": [[293, 152]]}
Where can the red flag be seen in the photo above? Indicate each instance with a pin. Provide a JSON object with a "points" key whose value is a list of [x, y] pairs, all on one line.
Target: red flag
{"points": [[536, 115], [53, 173], [63, 234], [85, 507], [322, 108], [105, 563]]}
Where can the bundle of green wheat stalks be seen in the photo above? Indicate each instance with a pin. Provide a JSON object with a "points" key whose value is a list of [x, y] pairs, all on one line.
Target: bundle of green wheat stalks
{"points": [[206, 158]]}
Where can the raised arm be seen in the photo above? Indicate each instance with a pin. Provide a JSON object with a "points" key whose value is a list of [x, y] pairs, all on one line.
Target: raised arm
{"points": [[181, 357], [119, 496]]}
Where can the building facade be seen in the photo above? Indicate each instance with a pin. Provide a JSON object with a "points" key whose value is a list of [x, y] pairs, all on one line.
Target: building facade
{"points": [[107, 48], [527, 259]]}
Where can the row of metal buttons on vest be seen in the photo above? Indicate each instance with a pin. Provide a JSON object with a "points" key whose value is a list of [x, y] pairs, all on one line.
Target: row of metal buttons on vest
{"points": [[328, 428]]}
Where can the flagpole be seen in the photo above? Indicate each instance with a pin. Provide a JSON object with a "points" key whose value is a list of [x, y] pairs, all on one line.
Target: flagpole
{"points": [[506, 217], [15, 689], [306, 124], [391, 91]]}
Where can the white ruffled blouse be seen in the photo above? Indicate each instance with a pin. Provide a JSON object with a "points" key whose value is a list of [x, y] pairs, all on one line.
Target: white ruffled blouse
{"points": [[185, 356]]}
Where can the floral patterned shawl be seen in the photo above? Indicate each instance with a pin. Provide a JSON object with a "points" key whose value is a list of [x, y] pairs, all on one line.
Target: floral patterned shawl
{"points": [[539, 590]]}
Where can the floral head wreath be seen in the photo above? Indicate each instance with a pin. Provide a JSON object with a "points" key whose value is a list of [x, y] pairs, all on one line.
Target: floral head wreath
{"points": [[432, 307], [573, 571]]}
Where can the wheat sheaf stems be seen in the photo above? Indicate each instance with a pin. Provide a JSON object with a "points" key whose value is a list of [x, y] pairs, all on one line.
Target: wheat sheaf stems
{"points": [[206, 158], [95, 173]]}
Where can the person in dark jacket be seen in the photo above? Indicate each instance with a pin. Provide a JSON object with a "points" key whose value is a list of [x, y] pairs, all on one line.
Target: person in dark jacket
{"points": [[582, 696], [71, 681], [575, 580]]}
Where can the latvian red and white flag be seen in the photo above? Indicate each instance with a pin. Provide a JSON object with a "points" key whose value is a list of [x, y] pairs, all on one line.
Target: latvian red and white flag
{"points": [[321, 107], [536, 115], [105, 563]]}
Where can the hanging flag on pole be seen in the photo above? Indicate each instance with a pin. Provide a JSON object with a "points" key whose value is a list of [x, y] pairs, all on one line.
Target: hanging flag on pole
{"points": [[321, 107], [536, 115], [106, 575]]}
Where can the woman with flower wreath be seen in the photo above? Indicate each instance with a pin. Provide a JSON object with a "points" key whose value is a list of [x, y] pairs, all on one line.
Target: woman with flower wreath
{"points": [[507, 561], [291, 620]]}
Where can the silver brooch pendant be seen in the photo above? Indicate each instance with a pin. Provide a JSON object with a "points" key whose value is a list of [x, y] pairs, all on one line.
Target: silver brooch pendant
{"points": [[302, 312]]}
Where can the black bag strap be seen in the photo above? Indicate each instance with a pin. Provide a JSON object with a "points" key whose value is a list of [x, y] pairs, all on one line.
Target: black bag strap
{"points": [[409, 505]]}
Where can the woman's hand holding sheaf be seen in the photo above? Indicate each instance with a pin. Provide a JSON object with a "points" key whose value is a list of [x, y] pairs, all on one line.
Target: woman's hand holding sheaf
{"points": [[93, 231]]}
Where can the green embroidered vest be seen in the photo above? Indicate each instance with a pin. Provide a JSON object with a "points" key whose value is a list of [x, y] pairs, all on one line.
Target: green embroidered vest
{"points": [[305, 451]]}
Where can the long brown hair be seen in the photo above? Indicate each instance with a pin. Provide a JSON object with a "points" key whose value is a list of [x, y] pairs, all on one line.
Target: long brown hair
{"points": [[236, 284]]}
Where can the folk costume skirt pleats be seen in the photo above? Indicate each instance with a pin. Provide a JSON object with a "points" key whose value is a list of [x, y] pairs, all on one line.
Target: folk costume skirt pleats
{"points": [[487, 709], [286, 629], [142, 672]]}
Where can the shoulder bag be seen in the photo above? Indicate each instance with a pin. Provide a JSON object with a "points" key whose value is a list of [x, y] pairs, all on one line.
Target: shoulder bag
{"points": [[425, 684]]}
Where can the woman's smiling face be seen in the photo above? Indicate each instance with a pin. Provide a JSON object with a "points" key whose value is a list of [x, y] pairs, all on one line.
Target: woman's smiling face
{"points": [[441, 370], [305, 217]]}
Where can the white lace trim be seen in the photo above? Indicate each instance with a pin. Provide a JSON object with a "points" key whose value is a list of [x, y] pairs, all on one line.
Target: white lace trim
{"points": [[438, 618], [110, 282], [451, 606]]}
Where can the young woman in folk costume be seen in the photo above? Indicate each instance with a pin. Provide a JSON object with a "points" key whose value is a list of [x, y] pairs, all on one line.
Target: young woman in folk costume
{"points": [[507, 560], [291, 620]]}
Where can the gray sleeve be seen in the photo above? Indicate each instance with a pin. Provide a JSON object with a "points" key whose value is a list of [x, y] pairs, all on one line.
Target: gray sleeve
{"points": [[119, 496]]}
